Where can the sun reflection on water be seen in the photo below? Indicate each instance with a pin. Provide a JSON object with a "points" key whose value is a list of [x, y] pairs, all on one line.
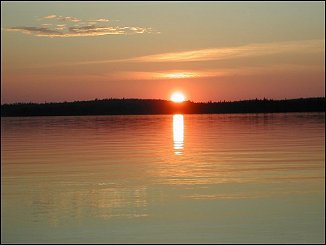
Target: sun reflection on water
{"points": [[178, 134]]}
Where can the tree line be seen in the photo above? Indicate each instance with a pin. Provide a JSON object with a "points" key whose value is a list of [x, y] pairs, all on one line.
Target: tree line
{"points": [[153, 106]]}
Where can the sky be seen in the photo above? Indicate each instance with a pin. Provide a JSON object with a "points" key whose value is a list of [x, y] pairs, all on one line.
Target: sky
{"points": [[210, 51]]}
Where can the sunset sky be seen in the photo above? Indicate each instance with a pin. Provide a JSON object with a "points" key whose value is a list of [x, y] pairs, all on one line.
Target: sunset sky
{"points": [[66, 51]]}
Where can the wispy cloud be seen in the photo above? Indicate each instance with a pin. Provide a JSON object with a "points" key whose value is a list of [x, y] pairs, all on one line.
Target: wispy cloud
{"points": [[61, 18], [97, 27], [219, 72], [236, 52], [100, 20], [246, 51], [60, 27], [37, 31], [52, 16], [93, 30], [79, 31]]}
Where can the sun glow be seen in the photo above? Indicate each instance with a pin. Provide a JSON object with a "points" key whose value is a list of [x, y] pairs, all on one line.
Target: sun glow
{"points": [[177, 97]]}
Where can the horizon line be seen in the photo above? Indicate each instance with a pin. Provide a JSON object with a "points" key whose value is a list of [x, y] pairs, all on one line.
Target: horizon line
{"points": [[123, 98]]}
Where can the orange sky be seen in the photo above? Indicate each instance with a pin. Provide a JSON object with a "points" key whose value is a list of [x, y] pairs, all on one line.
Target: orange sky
{"points": [[215, 51]]}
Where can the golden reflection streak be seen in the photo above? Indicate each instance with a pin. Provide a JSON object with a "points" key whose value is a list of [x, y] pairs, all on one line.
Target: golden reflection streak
{"points": [[178, 133]]}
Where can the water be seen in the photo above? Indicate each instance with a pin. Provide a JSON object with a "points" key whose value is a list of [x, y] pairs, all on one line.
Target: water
{"points": [[164, 178]]}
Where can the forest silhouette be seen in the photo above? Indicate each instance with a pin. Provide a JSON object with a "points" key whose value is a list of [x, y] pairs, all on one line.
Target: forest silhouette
{"points": [[155, 106]]}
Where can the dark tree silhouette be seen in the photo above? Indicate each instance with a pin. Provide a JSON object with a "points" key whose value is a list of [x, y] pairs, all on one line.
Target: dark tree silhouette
{"points": [[151, 106]]}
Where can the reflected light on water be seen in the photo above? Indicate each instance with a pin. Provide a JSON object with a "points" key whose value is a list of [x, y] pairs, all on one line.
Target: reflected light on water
{"points": [[178, 134], [130, 178]]}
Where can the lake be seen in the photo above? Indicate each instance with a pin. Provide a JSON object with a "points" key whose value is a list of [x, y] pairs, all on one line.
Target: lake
{"points": [[231, 178]]}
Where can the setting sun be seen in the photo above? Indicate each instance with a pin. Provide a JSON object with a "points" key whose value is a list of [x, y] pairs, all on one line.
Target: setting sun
{"points": [[177, 97]]}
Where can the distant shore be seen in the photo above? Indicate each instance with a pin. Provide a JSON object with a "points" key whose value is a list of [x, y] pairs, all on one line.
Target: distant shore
{"points": [[153, 106]]}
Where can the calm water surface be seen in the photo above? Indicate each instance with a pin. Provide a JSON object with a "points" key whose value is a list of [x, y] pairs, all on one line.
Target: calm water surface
{"points": [[182, 178]]}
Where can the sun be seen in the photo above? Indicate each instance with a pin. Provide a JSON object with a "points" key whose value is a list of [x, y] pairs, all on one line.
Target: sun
{"points": [[177, 97]]}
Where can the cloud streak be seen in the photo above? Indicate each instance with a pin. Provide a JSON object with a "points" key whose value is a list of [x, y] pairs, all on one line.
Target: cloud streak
{"points": [[79, 31], [100, 20], [61, 18], [215, 54], [223, 72], [75, 28], [251, 50], [37, 31]]}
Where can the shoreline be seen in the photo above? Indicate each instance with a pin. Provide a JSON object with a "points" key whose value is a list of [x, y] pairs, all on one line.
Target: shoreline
{"points": [[161, 107]]}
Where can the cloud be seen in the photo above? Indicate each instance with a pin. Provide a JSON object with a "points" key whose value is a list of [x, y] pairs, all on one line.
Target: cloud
{"points": [[61, 18], [37, 31], [244, 71], [52, 16], [60, 27], [79, 31], [251, 50], [212, 54], [100, 20], [106, 30], [72, 19], [97, 27]]}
